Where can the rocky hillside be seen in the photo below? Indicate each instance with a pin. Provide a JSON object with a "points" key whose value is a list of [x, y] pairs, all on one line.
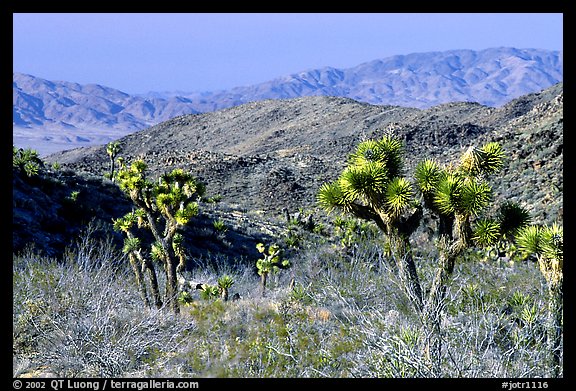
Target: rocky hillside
{"points": [[264, 158], [53, 115], [271, 155]]}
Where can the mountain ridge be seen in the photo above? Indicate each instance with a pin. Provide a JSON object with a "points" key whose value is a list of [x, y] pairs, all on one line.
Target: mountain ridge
{"points": [[59, 115], [396, 80]]}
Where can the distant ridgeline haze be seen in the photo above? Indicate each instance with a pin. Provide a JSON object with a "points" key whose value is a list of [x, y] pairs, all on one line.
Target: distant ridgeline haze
{"points": [[56, 115]]}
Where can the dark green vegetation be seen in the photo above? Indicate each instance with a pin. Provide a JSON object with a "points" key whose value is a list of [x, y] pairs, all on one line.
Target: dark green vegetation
{"points": [[433, 280]]}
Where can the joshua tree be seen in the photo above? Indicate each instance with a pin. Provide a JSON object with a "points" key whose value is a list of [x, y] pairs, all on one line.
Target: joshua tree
{"points": [[372, 188], [270, 263], [164, 208], [547, 243], [224, 285], [457, 194], [139, 263], [26, 161], [112, 149]]}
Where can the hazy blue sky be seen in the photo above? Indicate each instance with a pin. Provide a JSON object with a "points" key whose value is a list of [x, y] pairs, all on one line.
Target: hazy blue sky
{"points": [[204, 52]]}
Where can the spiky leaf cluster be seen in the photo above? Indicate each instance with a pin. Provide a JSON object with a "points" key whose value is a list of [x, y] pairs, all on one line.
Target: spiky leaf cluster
{"points": [[157, 252], [542, 241], [448, 193], [27, 161], [512, 217], [428, 174], [271, 261], [176, 195], [178, 243], [529, 240], [482, 161], [486, 233], [133, 182], [371, 179], [456, 195], [330, 197], [475, 196], [387, 151], [131, 244], [460, 190], [547, 243], [366, 183], [125, 223], [185, 298], [112, 149], [399, 194], [209, 292], [553, 243], [225, 282], [129, 220]]}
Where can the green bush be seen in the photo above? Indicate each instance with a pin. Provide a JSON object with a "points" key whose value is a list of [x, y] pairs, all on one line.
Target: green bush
{"points": [[26, 161]]}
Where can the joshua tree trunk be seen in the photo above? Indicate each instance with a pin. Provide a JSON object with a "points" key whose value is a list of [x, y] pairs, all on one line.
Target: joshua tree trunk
{"points": [[171, 281], [139, 278], [153, 283], [145, 264], [225, 294], [432, 314], [263, 279], [112, 168], [408, 273], [170, 263]]}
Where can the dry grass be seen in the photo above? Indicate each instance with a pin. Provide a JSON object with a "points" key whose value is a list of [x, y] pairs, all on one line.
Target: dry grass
{"points": [[346, 317]]}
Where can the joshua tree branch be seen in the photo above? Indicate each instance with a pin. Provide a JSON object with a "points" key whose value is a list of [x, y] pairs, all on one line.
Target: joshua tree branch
{"points": [[367, 213]]}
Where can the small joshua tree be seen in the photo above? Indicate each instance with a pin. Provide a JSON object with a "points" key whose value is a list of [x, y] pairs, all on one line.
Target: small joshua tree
{"points": [[112, 149], [208, 292], [224, 285], [270, 263], [547, 244], [164, 208], [26, 161]]}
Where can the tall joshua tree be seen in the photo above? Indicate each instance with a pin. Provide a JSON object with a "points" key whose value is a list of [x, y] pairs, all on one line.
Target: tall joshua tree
{"points": [[457, 194], [112, 149], [547, 243], [372, 188], [165, 207]]}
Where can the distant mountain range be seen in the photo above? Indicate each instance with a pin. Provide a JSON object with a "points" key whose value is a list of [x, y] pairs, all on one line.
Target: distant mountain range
{"points": [[56, 115], [52, 116]]}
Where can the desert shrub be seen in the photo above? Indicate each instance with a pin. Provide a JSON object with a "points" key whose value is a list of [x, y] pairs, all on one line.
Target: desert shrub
{"points": [[78, 316], [26, 161], [345, 317]]}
